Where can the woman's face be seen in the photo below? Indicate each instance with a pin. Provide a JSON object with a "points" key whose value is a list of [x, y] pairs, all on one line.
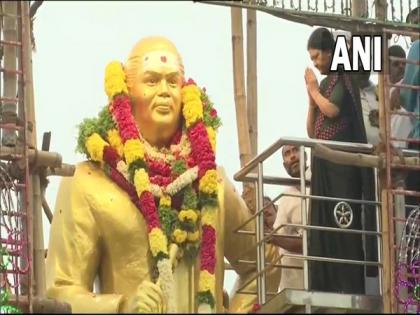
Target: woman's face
{"points": [[321, 59]]}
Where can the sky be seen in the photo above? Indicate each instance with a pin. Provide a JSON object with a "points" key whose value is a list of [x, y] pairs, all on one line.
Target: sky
{"points": [[76, 40]]}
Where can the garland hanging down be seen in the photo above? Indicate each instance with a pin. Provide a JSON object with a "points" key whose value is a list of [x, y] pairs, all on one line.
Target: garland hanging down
{"points": [[174, 188]]}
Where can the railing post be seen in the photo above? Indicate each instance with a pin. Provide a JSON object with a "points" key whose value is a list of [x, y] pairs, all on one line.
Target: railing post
{"points": [[259, 228], [302, 165]]}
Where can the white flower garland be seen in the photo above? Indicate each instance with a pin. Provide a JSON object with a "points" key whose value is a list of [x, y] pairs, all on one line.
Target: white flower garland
{"points": [[182, 180], [166, 282]]}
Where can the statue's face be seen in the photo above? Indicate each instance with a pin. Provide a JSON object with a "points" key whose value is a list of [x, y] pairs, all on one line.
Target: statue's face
{"points": [[156, 91]]}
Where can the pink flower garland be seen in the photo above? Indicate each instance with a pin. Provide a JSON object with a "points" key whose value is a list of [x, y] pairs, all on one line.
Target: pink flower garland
{"points": [[121, 109], [201, 149], [160, 173], [208, 250]]}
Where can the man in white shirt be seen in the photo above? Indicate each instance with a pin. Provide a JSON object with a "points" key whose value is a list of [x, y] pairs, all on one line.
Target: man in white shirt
{"points": [[401, 126], [289, 212], [369, 103]]}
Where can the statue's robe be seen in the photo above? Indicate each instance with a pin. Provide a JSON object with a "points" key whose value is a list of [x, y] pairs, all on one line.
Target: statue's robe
{"points": [[98, 232]]}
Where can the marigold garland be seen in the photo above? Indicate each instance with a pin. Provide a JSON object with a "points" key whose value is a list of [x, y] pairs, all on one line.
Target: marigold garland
{"points": [[145, 173], [115, 141]]}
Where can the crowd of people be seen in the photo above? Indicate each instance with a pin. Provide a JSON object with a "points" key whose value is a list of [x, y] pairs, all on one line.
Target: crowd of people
{"points": [[344, 107]]}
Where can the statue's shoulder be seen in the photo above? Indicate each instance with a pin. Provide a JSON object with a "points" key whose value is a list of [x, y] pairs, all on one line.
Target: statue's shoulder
{"points": [[224, 180], [87, 168], [88, 176], [222, 173], [227, 190]]}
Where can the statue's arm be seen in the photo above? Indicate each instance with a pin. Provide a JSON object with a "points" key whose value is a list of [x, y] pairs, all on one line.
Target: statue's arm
{"points": [[241, 246], [74, 251]]}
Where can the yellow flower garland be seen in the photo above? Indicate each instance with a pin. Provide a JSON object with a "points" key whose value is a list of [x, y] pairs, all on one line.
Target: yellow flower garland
{"points": [[193, 112], [179, 236], [193, 108], [141, 181], [212, 137], [207, 282], [208, 216], [115, 79], [133, 150], [95, 146], [165, 201], [189, 214], [158, 242], [193, 236], [115, 141], [208, 183]]}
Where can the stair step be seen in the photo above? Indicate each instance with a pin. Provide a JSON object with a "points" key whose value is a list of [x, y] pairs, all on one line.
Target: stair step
{"points": [[289, 299]]}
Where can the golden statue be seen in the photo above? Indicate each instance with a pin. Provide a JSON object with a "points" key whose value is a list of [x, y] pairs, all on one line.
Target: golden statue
{"points": [[149, 218]]}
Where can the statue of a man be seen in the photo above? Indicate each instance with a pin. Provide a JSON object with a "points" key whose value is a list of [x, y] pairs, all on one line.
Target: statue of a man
{"points": [[149, 215]]}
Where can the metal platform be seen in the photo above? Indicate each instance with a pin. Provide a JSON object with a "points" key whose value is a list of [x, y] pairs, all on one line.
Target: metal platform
{"points": [[293, 301]]}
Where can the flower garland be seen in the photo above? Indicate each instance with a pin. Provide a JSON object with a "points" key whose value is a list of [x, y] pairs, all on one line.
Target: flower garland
{"points": [[175, 189]]}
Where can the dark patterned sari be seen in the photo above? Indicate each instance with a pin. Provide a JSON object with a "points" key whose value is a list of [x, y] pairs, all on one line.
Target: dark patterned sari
{"points": [[341, 181]]}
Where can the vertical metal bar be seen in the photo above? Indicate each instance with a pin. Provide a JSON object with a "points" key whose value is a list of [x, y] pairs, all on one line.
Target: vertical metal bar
{"points": [[401, 11], [260, 235], [378, 229], [388, 159], [302, 165]]}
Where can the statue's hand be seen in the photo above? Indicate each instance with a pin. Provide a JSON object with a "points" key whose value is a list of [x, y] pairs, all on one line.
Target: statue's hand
{"points": [[148, 298]]}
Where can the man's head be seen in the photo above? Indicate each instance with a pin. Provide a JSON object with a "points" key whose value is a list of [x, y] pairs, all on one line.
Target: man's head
{"points": [[270, 212], [291, 160], [155, 74], [320, 47], [413, 17], [396, 67]]}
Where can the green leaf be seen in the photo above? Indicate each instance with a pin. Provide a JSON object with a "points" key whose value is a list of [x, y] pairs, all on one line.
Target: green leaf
{"points": [[168, 218], [190, 198], [105, 122], [179, 167], [208, 200], [88, 127]]}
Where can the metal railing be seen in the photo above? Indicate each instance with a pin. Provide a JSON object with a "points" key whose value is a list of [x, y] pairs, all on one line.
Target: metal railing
{"points": [[246, 174], [333, 14], [397, 192], [397, 10]]}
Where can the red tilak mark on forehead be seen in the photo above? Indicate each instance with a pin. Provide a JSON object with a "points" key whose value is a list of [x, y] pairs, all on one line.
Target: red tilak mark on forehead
{"points": [[163, 58]]}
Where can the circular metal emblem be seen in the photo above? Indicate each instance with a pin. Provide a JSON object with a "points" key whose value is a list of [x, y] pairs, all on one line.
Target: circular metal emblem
{"points": [[343, 214]]}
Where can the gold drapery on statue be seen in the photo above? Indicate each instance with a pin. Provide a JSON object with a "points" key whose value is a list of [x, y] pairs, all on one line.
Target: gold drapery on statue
{"points": [[97, 230]]}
